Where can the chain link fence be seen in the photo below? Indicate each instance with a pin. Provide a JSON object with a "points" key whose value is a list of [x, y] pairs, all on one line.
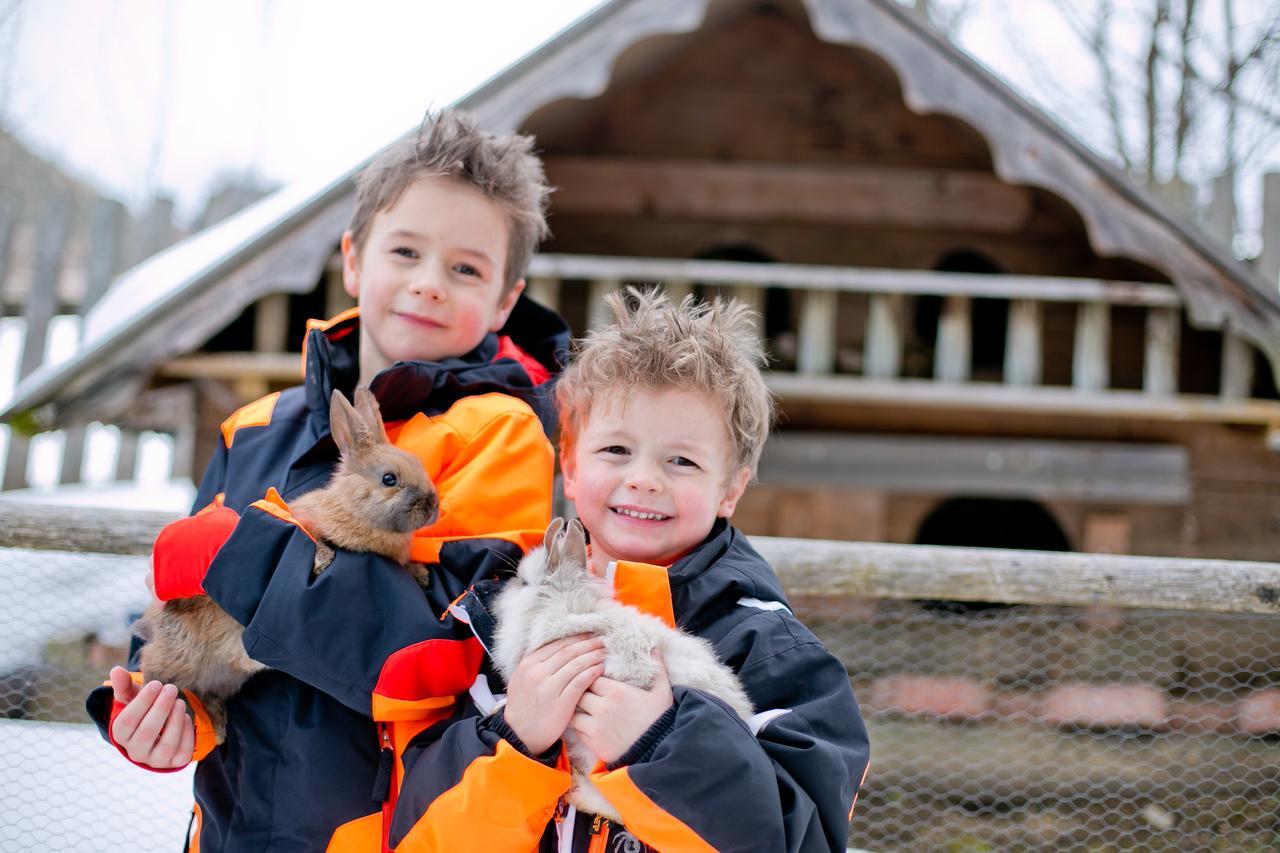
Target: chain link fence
{"points": [[1024, 727]]}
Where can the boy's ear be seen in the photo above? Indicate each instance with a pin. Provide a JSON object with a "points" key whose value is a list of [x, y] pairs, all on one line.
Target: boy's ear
{"points": [[505, 305], [733, 492], [350, 266], [569, 476]]}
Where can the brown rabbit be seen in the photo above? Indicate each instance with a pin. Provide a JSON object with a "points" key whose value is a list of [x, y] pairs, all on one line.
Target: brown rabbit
{"points": [[378, 496]]}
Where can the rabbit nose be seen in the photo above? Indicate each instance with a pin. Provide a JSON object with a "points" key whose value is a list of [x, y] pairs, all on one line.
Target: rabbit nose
{"points": [[429, 503]]}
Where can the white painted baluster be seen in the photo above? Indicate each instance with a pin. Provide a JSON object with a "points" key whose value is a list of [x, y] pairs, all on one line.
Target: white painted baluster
{"points": [[816, 348], [1023, 343], [883, 354], [1091, 360], [952, 356], [1160, 367]]}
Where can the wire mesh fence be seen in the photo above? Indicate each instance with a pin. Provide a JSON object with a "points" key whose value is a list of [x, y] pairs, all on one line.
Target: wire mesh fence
{"points": [[1024, 727]]}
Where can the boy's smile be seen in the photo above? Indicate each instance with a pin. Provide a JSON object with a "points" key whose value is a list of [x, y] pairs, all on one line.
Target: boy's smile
{"points": [[429, 277], [650, 474]]}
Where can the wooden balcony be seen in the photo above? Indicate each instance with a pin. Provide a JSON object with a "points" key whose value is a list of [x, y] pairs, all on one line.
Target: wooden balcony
{"points": [[833, 363]]}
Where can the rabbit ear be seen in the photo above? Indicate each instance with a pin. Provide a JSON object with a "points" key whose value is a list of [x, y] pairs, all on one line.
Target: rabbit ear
{"points": [[342, 422], [367, 406], [553, 531], [573, 544]]}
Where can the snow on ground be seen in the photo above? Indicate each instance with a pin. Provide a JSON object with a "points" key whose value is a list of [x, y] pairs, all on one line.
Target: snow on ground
{"points": [[65, 789]]}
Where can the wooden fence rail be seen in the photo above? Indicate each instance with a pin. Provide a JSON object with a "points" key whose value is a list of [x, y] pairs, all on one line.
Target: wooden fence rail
{"points": [[825, 568]]}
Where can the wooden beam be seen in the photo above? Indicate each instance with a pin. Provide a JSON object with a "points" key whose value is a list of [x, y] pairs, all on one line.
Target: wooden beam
{"points": [[847, 195], [1091, 357], [1237, 367], [952, 357], [1077, 471], [858, 279], [273, 367], [1023, 343], [996, 397], [816, 340], [545, 291], [1160, 366], [882, 354], [822, 568]]}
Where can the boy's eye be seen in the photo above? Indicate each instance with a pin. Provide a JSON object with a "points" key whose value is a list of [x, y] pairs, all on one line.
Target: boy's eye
{"points": [[404, 252], [614, 449], [466, 269], [684, 462], [389, 479]]}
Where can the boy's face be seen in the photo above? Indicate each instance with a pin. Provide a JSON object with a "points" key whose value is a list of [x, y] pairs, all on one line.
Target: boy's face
{"points": [[650, 473], [429, 276]]}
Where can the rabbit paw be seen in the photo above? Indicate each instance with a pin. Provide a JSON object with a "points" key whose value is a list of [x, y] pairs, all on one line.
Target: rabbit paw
{"points": [[324, 556], [420, 573]]}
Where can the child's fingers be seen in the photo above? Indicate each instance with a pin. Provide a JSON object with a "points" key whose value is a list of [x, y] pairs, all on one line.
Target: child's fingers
{"points": [[564, 674], [187, 743], [130, 718], [564, 648], [582, 682], [153, 722], [122, 686], [167, 747]]}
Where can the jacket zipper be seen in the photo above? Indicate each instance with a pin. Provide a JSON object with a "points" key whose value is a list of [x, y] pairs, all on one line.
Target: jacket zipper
{"points": [[388, 805], [599, 835]]}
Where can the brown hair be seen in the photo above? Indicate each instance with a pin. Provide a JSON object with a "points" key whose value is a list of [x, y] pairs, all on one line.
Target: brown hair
{"points": [[451, 144], [708, 347]]}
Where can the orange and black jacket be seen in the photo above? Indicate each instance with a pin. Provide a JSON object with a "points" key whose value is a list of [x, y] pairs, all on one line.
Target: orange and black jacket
{"points": [[360, 659], [700, 779]]}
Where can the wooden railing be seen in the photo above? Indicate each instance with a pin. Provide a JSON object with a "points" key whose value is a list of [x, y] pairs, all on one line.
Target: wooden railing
{"points": [[553, 279], [809, 567]]}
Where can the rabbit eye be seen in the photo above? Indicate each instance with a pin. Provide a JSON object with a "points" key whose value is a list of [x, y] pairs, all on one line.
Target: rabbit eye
{"points": [[389, 479]]}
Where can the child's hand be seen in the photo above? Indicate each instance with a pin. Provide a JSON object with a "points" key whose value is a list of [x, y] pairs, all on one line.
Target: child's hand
{"points": [[153, 729], [546, 686], [612, 715]]}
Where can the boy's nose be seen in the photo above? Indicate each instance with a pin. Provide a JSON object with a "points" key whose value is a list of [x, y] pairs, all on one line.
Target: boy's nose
{"points": [[428, 285], [642, 478]]}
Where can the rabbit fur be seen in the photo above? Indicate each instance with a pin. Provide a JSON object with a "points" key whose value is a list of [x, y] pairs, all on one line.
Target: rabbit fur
{"points": [[194, 644], [553, 595]]}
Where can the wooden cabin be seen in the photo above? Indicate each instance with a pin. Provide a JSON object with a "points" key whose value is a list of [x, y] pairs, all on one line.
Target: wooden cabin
{"points": [[981, 333]]}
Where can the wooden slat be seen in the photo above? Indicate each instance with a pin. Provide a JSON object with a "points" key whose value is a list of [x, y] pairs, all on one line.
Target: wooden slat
{"points": [[39, 310], [1023, 343], [882, 355], [545, 291], [106, 250], [995, 397], [952, 356], [1160, 366], [816, 341], [1091, 358], [858, 279], [1077, 471], [851, 195], [273, 367], [822, 568], [598, 314], [1269, 261], [127, 457], [336, 298], [8, 226], [1237, 367], [271, 323]]}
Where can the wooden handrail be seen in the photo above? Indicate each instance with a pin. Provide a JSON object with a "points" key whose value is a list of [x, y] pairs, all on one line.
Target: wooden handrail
{"points": [[826, 568], [855, 279]]}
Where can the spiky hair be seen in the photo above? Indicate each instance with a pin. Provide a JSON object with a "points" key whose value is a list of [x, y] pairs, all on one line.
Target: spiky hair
{"points": [[712, 348], [504, 167]]}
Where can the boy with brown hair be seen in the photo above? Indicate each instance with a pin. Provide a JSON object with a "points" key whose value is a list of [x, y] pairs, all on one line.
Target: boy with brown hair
{"points": [[444, 226], [663, 416]]}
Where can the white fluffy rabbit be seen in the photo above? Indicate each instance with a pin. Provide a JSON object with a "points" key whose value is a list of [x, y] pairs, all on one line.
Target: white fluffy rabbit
{"points": [[554, 596]]}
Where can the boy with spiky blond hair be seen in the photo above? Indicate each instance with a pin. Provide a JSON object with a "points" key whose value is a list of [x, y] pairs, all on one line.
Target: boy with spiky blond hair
{"points": [[663, 416]]}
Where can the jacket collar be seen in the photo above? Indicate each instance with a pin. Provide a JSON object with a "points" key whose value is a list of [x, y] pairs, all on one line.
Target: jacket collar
{"points": [[331, 362]]}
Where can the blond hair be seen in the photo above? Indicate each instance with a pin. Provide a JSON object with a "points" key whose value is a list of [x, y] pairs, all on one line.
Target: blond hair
{"points": [[451, 144], [711, 348]]}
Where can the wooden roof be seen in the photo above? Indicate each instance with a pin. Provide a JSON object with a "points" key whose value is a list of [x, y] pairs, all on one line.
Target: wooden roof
{"points": [[173, 303]]}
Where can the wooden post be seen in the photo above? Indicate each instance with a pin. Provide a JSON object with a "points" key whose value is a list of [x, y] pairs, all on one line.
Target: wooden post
{"points": [[598, 314], [127, 459], [1269, 262], [41, 304], [105, 252], [1220, 221], [1023, 343], [816, 351], [336, 298], [545, 291], [1091, 359], [677, 289], [1160, 367], [8, 225], [952, 359], [883, 347], [271, 323], [1237, 367]]}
